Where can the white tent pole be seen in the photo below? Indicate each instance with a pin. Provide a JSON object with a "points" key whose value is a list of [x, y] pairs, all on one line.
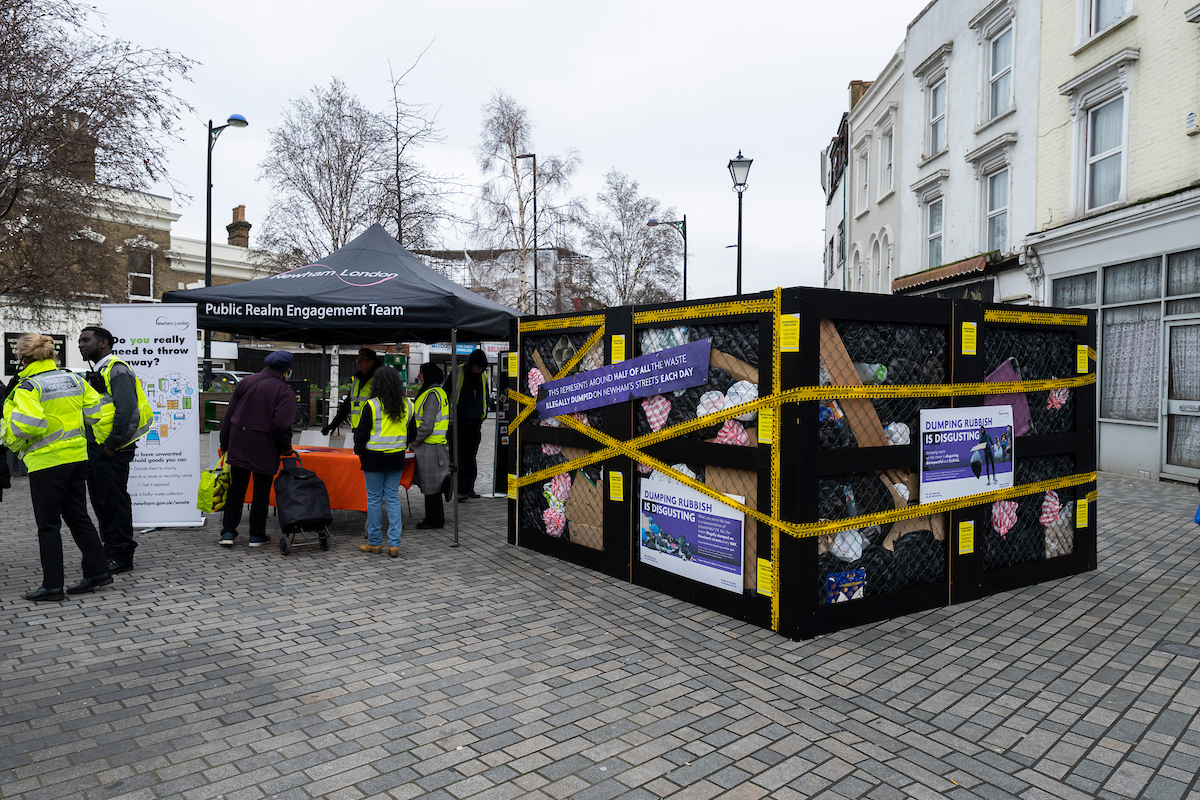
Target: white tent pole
{"points": [[454, 428]]}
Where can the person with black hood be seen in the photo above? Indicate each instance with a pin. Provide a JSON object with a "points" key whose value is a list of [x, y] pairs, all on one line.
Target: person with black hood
{"points": [[360, 391], [432, 420], [471, 379], [255, 432]]}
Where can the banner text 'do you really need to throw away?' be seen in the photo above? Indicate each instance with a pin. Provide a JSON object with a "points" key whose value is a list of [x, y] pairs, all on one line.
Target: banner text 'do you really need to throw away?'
{"points": [[665, 371], [293, 311]]}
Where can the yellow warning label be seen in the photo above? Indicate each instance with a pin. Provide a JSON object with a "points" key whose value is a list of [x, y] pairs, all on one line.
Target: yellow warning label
{"points": [[789, 333], [514, 363], [616, 486], [1081, 514], [618, 348], [766, 577], [512, 486], [969, 338], [766, 425], [1081, 358], [966, 537]]}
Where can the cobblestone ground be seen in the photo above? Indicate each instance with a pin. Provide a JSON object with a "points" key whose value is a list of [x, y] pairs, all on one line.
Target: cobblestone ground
{"points": [[491, 672]]}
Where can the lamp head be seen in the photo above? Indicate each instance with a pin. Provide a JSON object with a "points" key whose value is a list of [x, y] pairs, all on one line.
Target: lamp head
{"points": [[739, 168], [528, 155], [237, 121], [651, 223]]}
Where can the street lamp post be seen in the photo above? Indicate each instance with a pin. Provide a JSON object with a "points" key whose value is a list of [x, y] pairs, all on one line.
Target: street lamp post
{"points": [[681, 226], [236, 121], [535, 230], [739, 168]]}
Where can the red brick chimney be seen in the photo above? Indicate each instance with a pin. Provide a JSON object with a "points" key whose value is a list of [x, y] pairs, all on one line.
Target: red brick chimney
{"points": [[239, 229]]}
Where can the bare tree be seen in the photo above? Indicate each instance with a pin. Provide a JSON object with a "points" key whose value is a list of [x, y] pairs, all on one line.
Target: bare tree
{"points": [[415, 198], [84, 120], [504, 210], [632, 262], [325, 165]]}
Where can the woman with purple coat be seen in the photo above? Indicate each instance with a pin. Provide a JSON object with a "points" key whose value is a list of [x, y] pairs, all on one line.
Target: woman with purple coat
{"points": [[255, 433]]}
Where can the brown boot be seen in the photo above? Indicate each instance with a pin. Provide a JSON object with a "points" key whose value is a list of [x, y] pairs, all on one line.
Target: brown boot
{"points": [[371, 548], [394, 552]]}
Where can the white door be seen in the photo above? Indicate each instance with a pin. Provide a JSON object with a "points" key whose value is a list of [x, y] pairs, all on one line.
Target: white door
{"points": [[1181, 401]]}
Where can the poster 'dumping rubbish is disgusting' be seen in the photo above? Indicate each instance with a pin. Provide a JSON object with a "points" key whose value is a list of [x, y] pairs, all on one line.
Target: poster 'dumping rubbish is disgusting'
{"points": [[965, 451], [692, 535]]}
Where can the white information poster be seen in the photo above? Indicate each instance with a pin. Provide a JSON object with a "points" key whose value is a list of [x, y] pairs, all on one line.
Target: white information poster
{"points": [[965, 451], [692, 535], [158, 340]]}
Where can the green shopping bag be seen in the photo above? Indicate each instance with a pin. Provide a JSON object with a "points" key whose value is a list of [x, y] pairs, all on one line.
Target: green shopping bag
{"points": [[214, 486]]}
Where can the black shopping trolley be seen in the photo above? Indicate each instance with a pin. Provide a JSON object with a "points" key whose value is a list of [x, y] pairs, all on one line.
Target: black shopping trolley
{"points": [[302, 503]]}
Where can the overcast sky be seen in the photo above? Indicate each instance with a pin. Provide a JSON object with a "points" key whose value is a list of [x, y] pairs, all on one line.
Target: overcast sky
{"points": [[666, 92]]}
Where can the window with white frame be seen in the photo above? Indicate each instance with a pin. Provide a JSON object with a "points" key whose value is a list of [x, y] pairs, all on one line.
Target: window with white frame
{"points": [[1105, 152], [141, 275], [937, 118], [997, 211], [1099, 101], [933, 233], [1000, 73], [885, 161], [864, 179], [1103, 13]]}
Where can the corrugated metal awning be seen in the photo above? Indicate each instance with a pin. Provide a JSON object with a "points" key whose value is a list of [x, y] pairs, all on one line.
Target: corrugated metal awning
{"points": [[942, 273]]}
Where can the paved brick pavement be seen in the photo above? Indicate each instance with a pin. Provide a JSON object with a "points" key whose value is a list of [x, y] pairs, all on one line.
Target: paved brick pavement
{"points": [[492, 672]]}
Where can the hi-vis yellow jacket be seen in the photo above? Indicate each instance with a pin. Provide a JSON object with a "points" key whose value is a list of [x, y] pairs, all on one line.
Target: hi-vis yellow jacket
{"points": [[139, 426], [44, 416], [388, 435], [442, 424]]}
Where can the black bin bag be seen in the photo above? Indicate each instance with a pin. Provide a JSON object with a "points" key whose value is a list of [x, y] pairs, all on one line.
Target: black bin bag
{"points": [[301, 498]]}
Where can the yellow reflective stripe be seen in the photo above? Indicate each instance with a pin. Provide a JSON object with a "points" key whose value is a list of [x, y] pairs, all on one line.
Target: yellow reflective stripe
{"points": [[1033, 317], [558, 324], [51, 438], [710, 310]]}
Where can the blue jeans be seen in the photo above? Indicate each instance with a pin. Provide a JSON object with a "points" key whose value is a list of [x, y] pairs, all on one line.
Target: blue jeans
{"points": [[383, 487]]}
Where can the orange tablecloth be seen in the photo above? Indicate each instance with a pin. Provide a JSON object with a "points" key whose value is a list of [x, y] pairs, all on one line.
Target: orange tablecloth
{"points": [[343, 477]]}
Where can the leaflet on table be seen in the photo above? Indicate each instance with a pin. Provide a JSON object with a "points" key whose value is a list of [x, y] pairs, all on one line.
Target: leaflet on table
{"points": [[690, 534], [158, 341], [965, 451], [665, 371]]}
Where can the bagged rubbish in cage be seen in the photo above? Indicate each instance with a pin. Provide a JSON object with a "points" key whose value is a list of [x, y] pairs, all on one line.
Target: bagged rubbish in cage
{"points": [[739, 340], [919, 560], [657, 409], [654, 339], [742, 392], [1020, 406]]}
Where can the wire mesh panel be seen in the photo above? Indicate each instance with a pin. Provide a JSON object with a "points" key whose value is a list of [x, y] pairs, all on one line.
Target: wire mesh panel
{"points": [[1034, 527], [891, 557], [1030, 355], [859, 352], [542, 358], [733, 378]]}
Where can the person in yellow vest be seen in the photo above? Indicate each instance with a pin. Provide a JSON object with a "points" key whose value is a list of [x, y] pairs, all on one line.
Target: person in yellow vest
{"points": [[44, 421], [360, 391], [473, 385], [125, 417], [432, 416], [380, 441]]}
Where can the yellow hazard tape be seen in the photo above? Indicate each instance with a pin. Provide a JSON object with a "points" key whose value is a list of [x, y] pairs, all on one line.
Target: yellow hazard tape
{"points": [[534, 325], [712, 310], [1091, 496], [581, 352], [1033, 317], [777, 332], [1092, 354]]}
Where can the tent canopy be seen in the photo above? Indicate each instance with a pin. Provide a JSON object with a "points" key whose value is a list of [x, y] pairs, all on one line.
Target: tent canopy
{"points": [[370, 290]]}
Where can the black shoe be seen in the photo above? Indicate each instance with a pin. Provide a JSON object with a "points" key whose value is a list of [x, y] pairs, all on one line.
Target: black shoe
{"points": [[227, 538], [475, 495], [425, 526], [259, 541], [117, 567], [45, 594], [90, 584], [462, 498]]}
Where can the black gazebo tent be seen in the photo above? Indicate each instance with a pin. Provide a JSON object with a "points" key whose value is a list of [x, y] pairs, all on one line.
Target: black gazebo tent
{"points": [[370, 290]]}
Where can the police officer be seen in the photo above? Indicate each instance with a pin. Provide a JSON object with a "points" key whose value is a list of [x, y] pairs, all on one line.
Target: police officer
{"points": [[125, 417], [44, 421], [360, 391]]}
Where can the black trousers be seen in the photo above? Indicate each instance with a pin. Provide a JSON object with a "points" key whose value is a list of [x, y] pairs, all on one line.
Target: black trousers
{"points": [[108, 485], [59, 495], [470, 432], [434, 513], [239, 480]]}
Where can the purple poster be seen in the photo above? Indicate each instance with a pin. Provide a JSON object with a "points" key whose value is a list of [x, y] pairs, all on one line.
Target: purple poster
{"points": [[645, 376], [690, 534], [965, 451]]}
